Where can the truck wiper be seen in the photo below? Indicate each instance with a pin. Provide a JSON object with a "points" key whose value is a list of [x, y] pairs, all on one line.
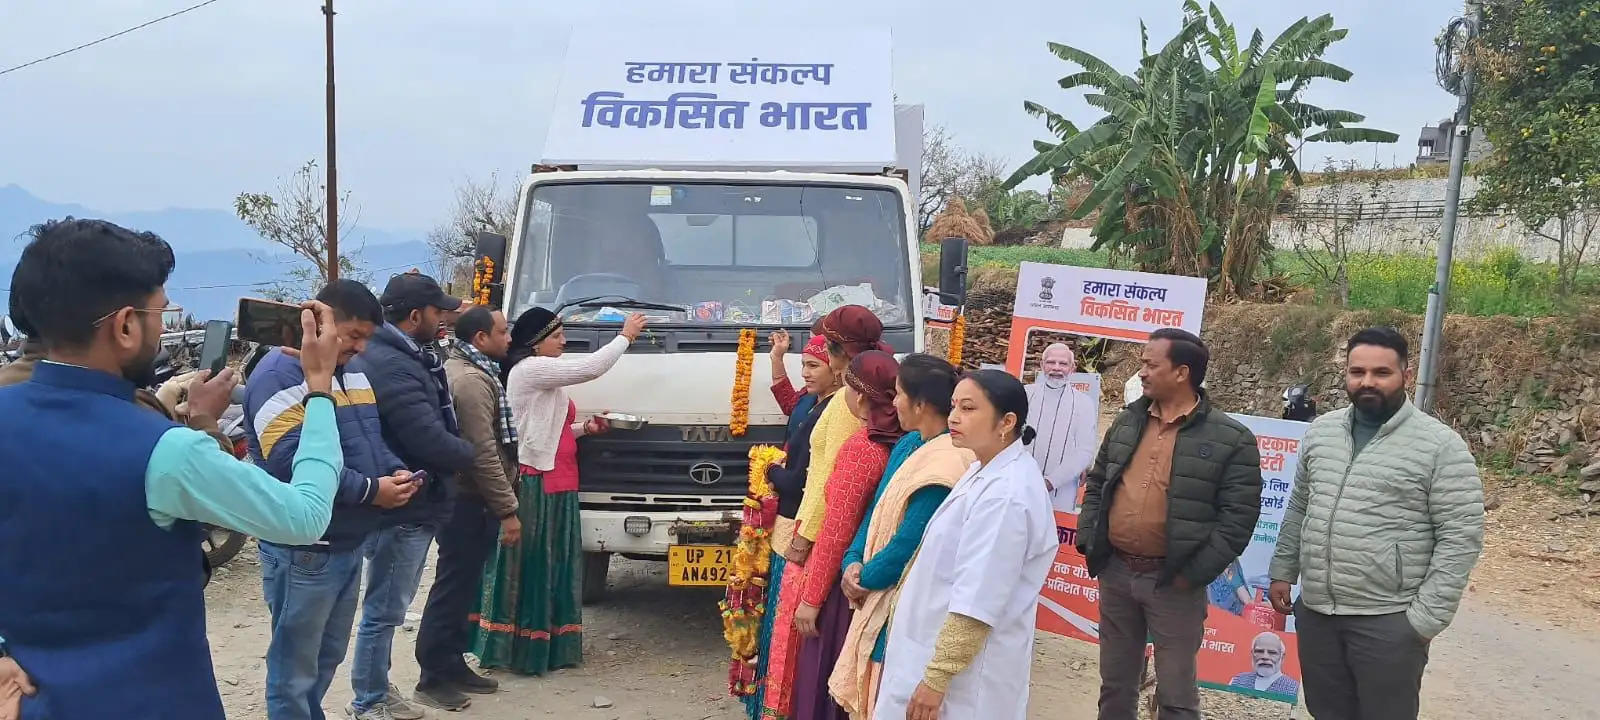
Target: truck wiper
{"points": [[620, 301]]}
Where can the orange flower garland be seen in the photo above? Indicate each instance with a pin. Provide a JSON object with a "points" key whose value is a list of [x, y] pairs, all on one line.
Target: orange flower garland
{"points": [[482, 272], [739, 422], [745, 600], [958, 338]]}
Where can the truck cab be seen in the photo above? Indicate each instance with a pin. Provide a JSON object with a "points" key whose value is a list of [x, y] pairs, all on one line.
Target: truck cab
{"points": [[704, 254]]}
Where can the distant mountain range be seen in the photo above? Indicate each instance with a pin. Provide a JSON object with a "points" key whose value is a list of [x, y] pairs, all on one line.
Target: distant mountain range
{"points": [[219, 258]]}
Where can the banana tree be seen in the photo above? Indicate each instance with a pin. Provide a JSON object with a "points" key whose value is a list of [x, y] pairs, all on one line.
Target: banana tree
{"points": [[1196, 145]]}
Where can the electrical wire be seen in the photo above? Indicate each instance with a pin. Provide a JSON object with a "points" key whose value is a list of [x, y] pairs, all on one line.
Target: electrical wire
{"points": [[1449, 64], [114, 35]]}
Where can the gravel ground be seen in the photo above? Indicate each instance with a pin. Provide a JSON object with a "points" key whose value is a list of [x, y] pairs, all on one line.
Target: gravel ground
{"points": [[654, 652]]}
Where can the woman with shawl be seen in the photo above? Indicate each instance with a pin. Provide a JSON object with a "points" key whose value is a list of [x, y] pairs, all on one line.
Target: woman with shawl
{"points": [[922, 468], [531, 613], [849, 331], [789, 479]]}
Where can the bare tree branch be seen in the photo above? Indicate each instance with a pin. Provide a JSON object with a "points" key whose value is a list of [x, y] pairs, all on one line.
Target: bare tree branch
{"points": [[296, 220]]}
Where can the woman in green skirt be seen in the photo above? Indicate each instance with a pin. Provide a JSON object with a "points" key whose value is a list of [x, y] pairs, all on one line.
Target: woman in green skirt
{"points": [[530, 618]]}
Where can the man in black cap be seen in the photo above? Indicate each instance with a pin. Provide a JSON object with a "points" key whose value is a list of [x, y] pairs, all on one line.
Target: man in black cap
{"points": [[419, 425]]}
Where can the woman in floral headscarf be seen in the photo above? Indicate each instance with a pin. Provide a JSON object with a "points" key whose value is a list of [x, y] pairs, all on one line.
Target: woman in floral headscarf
{"points": [[850, 331]]}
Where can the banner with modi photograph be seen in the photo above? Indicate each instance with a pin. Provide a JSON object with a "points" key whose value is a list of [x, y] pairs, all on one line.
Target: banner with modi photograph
{"points": [[1248, 648]]}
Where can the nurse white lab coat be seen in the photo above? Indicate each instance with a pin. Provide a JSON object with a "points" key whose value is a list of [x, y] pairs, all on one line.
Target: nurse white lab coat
{"points": [[985, 555]]}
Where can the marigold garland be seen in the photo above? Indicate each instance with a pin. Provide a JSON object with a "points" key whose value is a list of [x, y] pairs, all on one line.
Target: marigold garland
{"points": [[482, 273], [958, 338], [745, 600], [739, 422]]}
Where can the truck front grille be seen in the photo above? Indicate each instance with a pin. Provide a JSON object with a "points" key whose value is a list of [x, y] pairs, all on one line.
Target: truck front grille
{"points": [[699, 460]]}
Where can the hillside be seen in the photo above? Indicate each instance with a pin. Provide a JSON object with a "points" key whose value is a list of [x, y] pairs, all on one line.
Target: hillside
{"points": [[219, 258]]}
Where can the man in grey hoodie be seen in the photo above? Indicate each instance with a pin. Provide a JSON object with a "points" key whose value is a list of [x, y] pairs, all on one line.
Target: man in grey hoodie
{"points": [[1384, 526]]}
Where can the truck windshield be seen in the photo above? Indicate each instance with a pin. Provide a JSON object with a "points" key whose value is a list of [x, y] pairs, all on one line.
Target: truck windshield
{"points": [[724, 253]]}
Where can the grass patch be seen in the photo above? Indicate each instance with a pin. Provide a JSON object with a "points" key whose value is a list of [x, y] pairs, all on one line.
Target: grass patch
{"points": [[1501, 283], [1303, 330], [1009, 257]]}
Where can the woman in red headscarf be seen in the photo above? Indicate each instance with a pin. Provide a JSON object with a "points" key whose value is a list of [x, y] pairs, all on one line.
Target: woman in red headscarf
{"points": [[811, 598]]}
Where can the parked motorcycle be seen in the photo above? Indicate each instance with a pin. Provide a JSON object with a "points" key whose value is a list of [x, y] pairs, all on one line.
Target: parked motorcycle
{"points": [[220, 544], [1298, 404]]}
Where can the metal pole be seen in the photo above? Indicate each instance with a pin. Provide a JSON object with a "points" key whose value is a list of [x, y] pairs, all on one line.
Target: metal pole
{"points": [[1438, 295], [333, 158]]}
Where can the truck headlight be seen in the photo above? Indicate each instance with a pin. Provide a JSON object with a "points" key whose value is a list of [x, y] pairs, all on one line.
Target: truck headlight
{"points": [[636, 525]]}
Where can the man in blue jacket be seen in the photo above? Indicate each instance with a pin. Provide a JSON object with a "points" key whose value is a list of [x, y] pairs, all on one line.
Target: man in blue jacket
{"points": [[419, 425], [108, 619], [312, 589]]}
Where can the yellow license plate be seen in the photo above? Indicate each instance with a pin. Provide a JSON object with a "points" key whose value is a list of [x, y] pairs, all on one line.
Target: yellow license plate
{"points": [[698, 565]]}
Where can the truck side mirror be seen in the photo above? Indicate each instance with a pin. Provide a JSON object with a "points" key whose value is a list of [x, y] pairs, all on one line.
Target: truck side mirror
{"points": [[489, 256], [953, 271]]}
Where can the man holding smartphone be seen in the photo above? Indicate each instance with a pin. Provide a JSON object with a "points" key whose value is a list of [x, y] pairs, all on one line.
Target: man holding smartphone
{"points": [[312, 588], [419, 424], [112, 624]]}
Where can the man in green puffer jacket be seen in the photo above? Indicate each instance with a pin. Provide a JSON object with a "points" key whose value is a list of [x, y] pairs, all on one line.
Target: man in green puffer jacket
{"points": [[1383, 528], [1172, 499]]}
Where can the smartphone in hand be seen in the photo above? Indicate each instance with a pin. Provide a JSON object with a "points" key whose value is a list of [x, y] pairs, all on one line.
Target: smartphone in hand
{"points": [[214, 351], [269, 323], [419, 477]]}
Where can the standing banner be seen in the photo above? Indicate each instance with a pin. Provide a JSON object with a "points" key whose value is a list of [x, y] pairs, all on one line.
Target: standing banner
{"points": [[1249, 648], [1088, 384], [1112, 304]]}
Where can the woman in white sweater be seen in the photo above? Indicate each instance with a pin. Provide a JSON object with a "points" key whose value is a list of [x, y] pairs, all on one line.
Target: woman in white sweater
{"points": [[531, 615]]}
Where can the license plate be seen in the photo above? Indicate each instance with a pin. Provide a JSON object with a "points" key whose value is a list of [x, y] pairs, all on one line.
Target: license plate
{"points": [[698, 565]]}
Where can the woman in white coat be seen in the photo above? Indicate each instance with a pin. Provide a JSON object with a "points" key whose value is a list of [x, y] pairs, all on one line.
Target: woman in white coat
{"points": [[961, 638]]}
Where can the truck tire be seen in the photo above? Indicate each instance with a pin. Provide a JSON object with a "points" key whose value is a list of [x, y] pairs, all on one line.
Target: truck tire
{"points": [[595, 567]]}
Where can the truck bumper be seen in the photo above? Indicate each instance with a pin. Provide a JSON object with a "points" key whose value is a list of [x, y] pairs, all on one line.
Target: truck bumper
{"points": [[607, 530]]}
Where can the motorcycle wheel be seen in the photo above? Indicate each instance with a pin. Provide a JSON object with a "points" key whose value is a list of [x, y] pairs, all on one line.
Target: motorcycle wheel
{"points": [[220, 544]]}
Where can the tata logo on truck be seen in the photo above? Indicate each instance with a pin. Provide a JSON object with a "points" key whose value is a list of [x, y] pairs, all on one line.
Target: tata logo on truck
{"points": [[706, 433], [705, 473]]}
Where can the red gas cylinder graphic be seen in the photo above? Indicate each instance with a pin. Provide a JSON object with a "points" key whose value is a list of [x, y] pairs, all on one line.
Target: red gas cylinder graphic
{"points": [[1260, 613]]}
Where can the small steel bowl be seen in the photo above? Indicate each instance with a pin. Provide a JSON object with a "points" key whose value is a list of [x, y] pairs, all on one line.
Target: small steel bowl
{"points": [[624, 421]]}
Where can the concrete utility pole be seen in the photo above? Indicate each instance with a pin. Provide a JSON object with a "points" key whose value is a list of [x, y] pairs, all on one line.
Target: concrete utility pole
{"points": [[333, 158], [1438, 295]]}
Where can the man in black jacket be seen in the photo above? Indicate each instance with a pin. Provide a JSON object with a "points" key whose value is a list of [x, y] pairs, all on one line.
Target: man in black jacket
{"points": [[1172, 499], [419, 425]]}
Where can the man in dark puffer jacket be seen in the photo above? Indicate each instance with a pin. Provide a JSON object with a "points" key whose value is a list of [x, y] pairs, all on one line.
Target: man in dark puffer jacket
{"points": [[419, 425], [1172, 499]]}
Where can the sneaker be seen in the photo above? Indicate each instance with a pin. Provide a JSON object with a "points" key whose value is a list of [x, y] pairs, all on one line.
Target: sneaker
{"points": [[399, 707], [471, 682], [442, 697], [378, 712]]}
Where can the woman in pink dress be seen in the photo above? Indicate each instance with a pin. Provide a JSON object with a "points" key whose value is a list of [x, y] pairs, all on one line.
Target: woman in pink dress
{"points": [[530, 617]]}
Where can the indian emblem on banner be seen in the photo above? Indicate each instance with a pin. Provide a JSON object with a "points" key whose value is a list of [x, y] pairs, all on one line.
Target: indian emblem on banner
{"points": [[1045, 284]]}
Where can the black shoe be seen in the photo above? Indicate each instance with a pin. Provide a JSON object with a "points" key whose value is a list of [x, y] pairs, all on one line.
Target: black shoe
{"points": [[468, 681], [442, 697]]}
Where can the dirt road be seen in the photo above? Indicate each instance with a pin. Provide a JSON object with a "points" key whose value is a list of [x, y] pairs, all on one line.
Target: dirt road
{"points": [[656, 653]]}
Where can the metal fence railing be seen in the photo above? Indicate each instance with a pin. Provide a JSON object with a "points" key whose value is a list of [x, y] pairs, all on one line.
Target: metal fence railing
{"points": [[1376, 210]]}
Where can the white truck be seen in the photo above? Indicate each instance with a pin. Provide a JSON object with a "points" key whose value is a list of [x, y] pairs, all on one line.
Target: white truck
{"points": [[705, 251]]}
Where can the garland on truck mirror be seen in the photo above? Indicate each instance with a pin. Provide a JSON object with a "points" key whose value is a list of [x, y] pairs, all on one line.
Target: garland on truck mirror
{"points": [[745, 600], [739, 422], [482, 277], [958, 339]]}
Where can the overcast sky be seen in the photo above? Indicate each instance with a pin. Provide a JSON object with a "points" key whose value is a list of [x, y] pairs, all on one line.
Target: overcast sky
{"points": [[191, 111]]}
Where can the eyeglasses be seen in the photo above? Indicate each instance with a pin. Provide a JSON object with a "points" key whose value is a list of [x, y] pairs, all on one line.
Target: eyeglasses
{"points": [[159, 311]]}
